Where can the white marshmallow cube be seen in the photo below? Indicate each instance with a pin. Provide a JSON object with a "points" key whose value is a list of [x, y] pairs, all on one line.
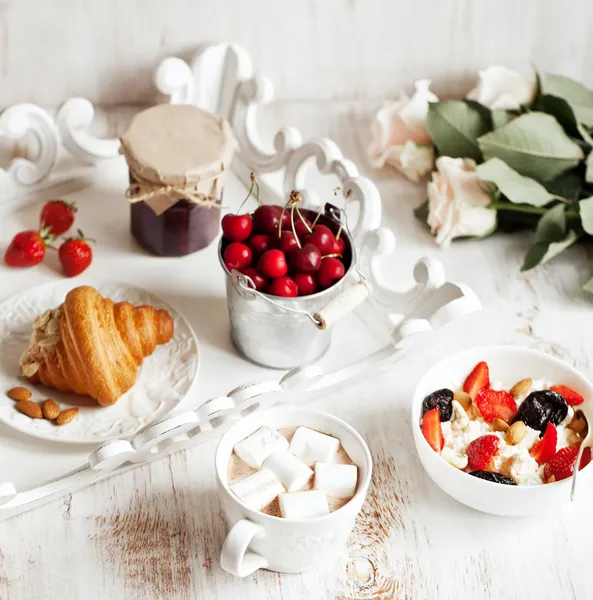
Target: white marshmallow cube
{"points": [[255, 448], [303, 505], [257, 490], [312, 447], [337, 481], [287, 468]]}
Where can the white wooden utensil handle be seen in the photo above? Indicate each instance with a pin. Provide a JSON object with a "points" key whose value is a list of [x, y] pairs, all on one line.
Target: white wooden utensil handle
{"points": [[342, 305]]}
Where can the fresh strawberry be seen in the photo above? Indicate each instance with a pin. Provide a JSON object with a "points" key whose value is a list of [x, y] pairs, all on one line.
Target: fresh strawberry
{"points": [[545, 449], [27, 248], [58, 216], [431, 429], [573, 398], [480, 452], [561, 465], [479, 378], [495, 404], [75, 255]]}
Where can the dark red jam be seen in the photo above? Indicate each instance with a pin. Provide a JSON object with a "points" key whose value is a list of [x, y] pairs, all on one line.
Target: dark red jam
{"points": [[182, 229]]}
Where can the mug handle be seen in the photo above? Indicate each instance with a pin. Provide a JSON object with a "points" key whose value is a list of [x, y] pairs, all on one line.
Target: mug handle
{"points": [[235, 557]]}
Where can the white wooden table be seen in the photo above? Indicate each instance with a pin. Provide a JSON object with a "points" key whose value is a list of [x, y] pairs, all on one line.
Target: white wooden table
{"points": [[156, 532]]}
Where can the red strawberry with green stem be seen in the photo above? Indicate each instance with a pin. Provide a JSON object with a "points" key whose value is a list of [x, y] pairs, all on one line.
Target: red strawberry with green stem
{"points": [[75, 255], [27, 248], [58, 216]]}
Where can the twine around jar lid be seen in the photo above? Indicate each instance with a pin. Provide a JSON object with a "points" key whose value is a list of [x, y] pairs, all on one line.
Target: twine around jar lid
{"points": [[176, 152]]}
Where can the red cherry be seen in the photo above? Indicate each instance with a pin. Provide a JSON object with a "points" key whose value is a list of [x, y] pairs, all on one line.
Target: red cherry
{"points": [[267, 218], [259, 243], [283, 286], [272, 264], [306, 259], [299, 226], [237, 256], [288, 242], [331, 270], [257, 278], [286, 218], [339, 246], [305, 283], [323, 238], [236, 227]]}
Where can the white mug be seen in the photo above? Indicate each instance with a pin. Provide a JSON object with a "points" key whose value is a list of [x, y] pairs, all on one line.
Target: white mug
{"points": [[260, 541]]}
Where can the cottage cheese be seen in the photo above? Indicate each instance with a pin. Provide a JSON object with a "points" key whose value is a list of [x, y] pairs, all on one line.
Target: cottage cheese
{"points": [[514, 461]]}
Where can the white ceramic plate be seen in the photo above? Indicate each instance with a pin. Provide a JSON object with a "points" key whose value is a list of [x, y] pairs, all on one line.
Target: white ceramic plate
{"points": [[164, 378]]}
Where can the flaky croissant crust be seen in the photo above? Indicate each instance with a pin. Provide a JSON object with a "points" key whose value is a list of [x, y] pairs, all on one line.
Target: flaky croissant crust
{"points": [[92, 346]]}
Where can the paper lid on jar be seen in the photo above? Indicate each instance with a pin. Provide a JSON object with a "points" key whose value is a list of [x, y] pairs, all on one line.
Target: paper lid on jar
{"points": [[177, 144]]}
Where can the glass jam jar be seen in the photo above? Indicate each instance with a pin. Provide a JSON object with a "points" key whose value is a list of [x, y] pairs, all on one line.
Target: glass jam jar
{"points": [[177, 156]]}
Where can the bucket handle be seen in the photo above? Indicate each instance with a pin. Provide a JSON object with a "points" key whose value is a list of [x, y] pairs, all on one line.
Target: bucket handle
{"points": [[339, 307]]}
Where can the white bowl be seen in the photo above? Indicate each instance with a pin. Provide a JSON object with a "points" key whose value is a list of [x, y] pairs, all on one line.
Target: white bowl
{"points": [[508, 364]]}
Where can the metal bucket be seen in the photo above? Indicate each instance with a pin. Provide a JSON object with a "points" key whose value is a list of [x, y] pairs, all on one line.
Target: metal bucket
{"points": [[283, 333]]}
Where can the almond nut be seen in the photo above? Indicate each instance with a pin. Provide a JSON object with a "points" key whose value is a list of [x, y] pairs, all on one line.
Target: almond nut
{"points": [[66, 416], [499, 425], [521, 387], [30, 409], [578, 423], [50, 409], [463, 398], [19, 393], [515, 433]]}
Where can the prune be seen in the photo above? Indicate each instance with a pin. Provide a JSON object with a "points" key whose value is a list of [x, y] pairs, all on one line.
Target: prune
{"points": [[494, 477], [441, 399], [541, 408]]}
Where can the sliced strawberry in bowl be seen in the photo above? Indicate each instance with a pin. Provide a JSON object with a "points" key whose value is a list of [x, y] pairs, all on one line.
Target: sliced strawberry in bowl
{"points": [[561, 465], [432, 431], [481, 451], [572, 398], [478, 379], [544, 450], [496, 404]]}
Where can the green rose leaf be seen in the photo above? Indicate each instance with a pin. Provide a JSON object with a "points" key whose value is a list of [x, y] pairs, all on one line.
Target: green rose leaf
{"points": [[588, 287], [541, 252], [534, 145], [517, 188], [501, 117], [589, 171], [586, 212], [456, 125], [577, 95], [568, 185], [561, 110], [551, 238]]}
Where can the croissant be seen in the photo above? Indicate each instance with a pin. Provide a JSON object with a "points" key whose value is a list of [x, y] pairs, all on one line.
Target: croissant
{"points": [[91, 346]]}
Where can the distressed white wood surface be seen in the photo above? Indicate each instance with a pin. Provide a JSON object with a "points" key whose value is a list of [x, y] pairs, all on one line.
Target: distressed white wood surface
{"points": [[156, 532], [335, 49]]}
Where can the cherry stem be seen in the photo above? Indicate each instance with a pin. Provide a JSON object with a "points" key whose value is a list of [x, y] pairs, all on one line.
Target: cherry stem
{"points": [[296, 237], [316, 219], [339, 232], [253, 184], [303, 220], [332, 256]]}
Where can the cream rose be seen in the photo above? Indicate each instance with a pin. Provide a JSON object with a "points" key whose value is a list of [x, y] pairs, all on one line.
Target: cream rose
{"points": [[399, 136], [457, 202], [502, 88]]}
